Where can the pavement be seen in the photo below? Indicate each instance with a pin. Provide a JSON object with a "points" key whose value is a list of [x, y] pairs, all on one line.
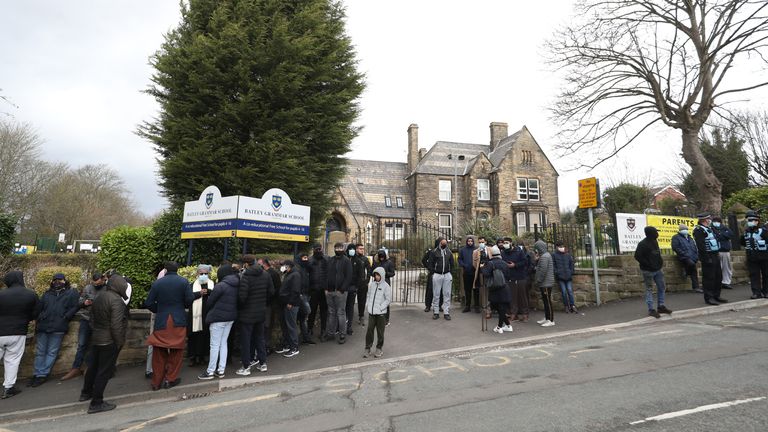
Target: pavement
{"points": [[413, 333]]}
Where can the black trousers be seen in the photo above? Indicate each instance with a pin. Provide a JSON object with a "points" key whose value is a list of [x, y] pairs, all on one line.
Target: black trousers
{"points": [[317, 301], [690, 271], [429, 295], [758, 277], [712, 276], [362, 296], [501, 308], [379, 323], [349, 309], [100, 371], [470, 294], [546, 297]]}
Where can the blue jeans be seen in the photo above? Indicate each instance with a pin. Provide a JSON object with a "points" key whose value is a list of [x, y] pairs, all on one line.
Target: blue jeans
{"points": [[290, 332], [649, 278], [46, 350], [83, 340], [566, 289], [219, 349]]}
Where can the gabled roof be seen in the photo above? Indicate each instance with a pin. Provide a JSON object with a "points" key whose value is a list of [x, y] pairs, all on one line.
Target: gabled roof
{"points": [[436, 160], [658, 190], [366, 183]]}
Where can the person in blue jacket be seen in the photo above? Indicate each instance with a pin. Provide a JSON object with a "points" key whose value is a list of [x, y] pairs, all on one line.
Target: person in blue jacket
{"points": [[55, 309], [687, 255], [724, 235]]}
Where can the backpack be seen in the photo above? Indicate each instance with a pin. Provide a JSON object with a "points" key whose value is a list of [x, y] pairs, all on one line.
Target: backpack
{"points": [[497, 280]]}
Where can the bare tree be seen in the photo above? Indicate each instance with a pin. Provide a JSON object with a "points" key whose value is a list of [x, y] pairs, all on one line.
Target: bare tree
{"points": [[22, 174], [752, 127], [632, 64]]}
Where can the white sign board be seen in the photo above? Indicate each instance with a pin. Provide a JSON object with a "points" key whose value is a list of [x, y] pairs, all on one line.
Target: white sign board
{"points": [[631, 229], [273, 216], [211, 216]]}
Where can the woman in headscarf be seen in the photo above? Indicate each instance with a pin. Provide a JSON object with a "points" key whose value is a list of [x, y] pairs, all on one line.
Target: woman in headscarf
{"points": [[199, 336]]}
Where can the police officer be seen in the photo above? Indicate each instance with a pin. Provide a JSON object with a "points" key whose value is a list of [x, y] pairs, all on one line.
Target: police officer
{"points": [[709, 255], [755, 242]]}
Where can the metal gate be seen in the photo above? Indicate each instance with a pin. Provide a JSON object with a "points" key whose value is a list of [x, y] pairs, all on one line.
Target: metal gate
{"points": [[406, 244]]}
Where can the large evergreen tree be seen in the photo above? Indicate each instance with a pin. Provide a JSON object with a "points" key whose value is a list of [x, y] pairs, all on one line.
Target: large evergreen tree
{"points": [[255, 94]]}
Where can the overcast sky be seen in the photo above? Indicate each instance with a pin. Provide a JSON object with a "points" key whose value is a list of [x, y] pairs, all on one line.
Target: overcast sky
{"points": [[75, 71]]}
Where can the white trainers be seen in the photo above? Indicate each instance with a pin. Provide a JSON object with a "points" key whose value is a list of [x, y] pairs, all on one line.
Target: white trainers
{"points": [[548, 324], [507, 328], [498, 330], [541, 321], [243, 371]]}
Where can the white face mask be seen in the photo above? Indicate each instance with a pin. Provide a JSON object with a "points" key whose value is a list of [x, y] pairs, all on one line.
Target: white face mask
{"points": [[203, 279], [751, 223], [283, 269], [684, 232], [561, 249], [716, 224], [481, 245], [351, 252], [507, 245]]}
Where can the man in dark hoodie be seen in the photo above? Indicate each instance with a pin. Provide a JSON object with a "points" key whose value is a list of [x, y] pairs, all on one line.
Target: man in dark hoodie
{"points": [[255, 287], [302, 266], [17, 309], [55, 309], [274, 308], [545, 279], [468, 272], [648, 255], [429, 292], [339, 279], [349, 309], [517, 284], [361, 268], [441, 263], [109, 319], [87, 297], [318, 279], [290, 298]]}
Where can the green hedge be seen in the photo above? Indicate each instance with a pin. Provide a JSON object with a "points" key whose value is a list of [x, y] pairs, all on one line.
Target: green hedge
{"points": [[75, 275], [753, 198], [131, 252]]}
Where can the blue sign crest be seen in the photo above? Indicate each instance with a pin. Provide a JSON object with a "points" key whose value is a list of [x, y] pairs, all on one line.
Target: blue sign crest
{"points": [[208, 199], [277, 202]]}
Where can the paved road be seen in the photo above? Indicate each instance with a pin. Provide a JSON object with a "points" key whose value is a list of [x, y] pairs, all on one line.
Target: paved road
{"points": [[700, 374]]}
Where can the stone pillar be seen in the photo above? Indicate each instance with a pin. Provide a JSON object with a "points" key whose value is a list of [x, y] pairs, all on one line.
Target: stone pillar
{"points": [[499, 131]]}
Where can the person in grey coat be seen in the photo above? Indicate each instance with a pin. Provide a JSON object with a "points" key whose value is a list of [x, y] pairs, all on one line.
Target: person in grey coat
{"points": [[545, 279]]}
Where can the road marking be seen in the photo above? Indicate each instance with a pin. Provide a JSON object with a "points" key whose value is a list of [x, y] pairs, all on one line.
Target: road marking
{"points": [[643, 336], [702, 408], [197, 409]]}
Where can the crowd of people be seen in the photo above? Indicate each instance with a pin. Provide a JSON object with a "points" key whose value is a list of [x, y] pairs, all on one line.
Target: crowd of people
{"points": [[235, 316]]}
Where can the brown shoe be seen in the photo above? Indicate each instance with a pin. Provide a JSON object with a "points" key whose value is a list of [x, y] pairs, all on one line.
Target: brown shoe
{"points": [[524, 318], [73, 373], [514, 318]]}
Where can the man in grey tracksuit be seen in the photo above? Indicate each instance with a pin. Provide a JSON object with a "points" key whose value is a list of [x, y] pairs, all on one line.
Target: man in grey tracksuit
{"points": [[441, 264], [545, 279]]}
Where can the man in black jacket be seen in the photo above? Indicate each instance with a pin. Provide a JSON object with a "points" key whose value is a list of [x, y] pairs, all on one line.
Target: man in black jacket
{"points": [[17, 309], [361, 268], [339, 279], [724, 236], [318, 278], [648, 255], [274, 309], [255, 287], [441, 264], [302, 266], [109, 319], [290, 298], [709, 254]]}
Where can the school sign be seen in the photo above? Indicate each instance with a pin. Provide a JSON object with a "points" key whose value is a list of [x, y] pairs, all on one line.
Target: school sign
{"points": [[272, 217], [630, 229]]}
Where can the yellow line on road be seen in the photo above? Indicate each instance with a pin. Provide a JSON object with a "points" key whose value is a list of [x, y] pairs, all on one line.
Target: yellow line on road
{"points": [[198, 409]]}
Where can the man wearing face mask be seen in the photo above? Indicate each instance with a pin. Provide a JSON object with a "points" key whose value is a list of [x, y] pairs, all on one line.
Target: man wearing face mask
{"points": [[89, 294], [648, 255], [337, 284], [480, 256], [318, 278], [468, 272], [361, 268], [755, 242], [199, 337], [517, 272], [441, 263], [709, 254], [687, 255], [290, 298], [724, 236], [383, 261], [303, 269], [349, 308]]}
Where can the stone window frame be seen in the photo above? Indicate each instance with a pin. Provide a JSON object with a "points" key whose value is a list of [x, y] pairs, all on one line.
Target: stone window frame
{"points": [[525, 191], [487, 189], [394, 231], [443, 227], [441, 190]]}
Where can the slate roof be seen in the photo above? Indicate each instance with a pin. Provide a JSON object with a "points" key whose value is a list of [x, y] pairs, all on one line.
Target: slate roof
{"points": [[366, 183], [436, 160]]}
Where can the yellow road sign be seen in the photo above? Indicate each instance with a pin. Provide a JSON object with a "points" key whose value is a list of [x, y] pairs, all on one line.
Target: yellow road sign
{"points": [[589, 193]]}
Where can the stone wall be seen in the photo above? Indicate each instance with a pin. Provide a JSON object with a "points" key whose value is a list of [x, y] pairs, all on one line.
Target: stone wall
{"points": [[623, 279]]}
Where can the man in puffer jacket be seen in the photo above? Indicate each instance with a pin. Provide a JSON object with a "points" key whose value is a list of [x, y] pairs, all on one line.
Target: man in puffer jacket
{"points": [[109, 318], [222, 313], [545, 279], [564, 268], [17, 309], [54, 311], [379, 297]]}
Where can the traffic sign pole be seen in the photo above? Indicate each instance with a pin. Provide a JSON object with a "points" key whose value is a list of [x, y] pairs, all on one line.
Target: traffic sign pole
{"points": [[594, 256], [589, 198]]}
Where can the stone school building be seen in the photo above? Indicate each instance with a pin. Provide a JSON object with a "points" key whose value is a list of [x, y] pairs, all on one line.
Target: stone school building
{"points": [[447, 186]]}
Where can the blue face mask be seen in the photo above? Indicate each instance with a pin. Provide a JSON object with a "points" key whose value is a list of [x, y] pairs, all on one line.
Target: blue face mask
{"points": [[203, 279], [481, 245], [684, 232], [351, 252], [716, 224]]}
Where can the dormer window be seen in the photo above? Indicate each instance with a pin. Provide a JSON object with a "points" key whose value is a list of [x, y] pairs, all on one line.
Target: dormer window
{"points": [[399, 202], [388, 201]]}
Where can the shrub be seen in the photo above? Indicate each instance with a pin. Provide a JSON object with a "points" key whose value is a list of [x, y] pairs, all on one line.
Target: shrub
{"points": [[754, 198], [7, 233], [75, 275], [131, 252]]}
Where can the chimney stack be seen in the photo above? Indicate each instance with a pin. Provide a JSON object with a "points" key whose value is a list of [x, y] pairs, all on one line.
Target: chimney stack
{"points": [[498, 133], [413, 147]]}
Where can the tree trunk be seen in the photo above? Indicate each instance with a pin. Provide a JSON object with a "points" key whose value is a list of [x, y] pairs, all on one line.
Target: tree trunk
{"points": [[708, 187]]}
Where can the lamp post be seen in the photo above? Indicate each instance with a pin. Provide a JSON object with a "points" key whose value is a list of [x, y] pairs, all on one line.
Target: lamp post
{"points": [[455, 223]]}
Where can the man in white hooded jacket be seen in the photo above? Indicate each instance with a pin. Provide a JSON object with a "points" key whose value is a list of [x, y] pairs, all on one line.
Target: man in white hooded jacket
{"points": [[379, 297]]}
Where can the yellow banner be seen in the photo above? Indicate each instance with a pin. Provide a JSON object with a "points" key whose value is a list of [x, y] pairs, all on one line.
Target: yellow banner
{"points": [[669, 226], [206, 234], [272, 236]]}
